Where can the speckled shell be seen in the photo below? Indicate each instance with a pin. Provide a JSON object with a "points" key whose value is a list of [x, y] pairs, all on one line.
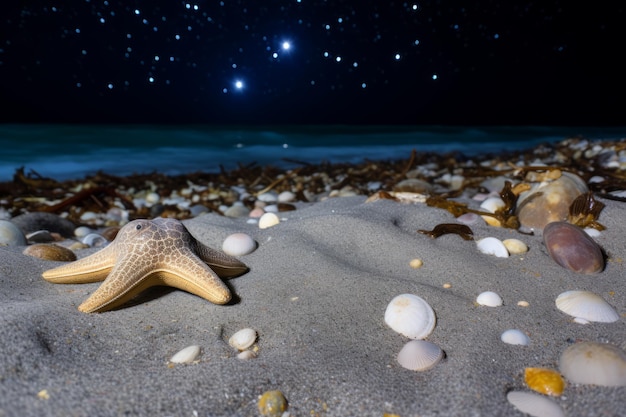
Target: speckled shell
{"points": [[572, 248], [419, 355], [544, 381], [272, 404], [50, 252], [410, 316], [586, 305], [594, 363]]}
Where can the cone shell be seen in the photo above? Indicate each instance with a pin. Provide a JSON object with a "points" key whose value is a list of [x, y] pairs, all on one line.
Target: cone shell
{"points": [[595, 364], [545, 381], [410, 316], [419, 355], [572, 248], [586, 305]]}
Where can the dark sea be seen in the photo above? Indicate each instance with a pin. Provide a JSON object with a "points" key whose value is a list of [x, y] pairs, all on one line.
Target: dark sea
{"points": [[74, 151]]}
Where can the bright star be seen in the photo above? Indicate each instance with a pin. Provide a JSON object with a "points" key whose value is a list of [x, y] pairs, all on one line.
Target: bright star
{"points": [[238, 84], [286, 45]]}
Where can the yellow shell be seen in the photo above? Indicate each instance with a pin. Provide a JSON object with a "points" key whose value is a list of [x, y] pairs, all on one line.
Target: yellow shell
{"points": [[50, 252], [545, 381], [272, 404]]}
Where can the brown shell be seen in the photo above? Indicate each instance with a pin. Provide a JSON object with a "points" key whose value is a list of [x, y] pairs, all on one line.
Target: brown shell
{"points": [[572, 248], [50, 252]]}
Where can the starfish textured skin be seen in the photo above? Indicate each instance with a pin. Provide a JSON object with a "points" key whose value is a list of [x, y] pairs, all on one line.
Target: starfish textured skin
{"points": [[147, 253]]}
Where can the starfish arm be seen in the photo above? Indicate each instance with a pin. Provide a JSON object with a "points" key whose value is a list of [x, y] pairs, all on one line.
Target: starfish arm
{"points": [[92, 268], [128, 279], [224, 265]]}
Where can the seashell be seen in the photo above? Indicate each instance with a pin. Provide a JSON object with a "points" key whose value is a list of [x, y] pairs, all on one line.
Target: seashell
{"points": [[515, 246], [544, 381], [489, 299], [286, 197], [416, 263], [256, 212], [237, 210], [269, 197], [534, 404], [238, 244], [515, 337], [50, 252], [548, 202], [243, 339], [410, 316], [268, 220], [152, 198], [492, 204], [272, 404], [40, 220], [82, 231], [413, 185], [419, 355], [492, 246], [186, 355], [572, 248], [586, 305], [11, 235], [94, 240], [468, 218], [594, 364], [109, 233], [40, 236], [246, 355]]}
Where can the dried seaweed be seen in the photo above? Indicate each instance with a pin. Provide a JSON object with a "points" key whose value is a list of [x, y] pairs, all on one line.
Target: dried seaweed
{"points": [[449, 228], [585, 210]]}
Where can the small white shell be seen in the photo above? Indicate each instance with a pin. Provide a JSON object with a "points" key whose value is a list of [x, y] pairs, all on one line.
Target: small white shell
{"points": [[515, 337], [246, 355], [515, 246], [268, 220], [489, 299], [492, 246], [534, 404], [492, 204], [419, 355], [594, 363], [586, 305], [238, 244], [186, 355], [243, 339], [410, 316], [94, 240]]}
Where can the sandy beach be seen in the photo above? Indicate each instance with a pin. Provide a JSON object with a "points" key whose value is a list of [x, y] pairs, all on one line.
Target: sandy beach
{"points": [[316, 293]]}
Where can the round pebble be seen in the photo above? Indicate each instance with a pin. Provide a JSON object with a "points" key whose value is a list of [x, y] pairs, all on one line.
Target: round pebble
{"points": [[272, 404], [238, 244], [50, 252], [416, 263]]}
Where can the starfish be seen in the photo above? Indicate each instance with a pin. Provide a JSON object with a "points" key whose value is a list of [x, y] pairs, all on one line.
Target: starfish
{"points": [[146, 253]]}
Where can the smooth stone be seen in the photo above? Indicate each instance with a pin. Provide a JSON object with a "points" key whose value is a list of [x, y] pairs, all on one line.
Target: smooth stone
{"points": [[39, 220], [50, 252], [11, 235], [572, 248], [239, 244]]}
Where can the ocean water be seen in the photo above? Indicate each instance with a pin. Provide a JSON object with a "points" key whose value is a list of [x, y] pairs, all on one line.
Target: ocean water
{"points": [[74, 151]]}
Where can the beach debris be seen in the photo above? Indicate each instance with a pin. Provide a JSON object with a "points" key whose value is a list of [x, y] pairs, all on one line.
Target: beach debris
{"points": [[586, 305], [585, 210], [239, 244], [50, 252], [592, 363], [489, 299], [11, 235], [186, 355], [572, 248], [272, 404], [534, 404], [416, 263], [449, 228], [515, 337], [544, 381], [515, 246], [268, 220], [548, 200], [413, 185], [492, 246], [243, 339], [419, 355], [411, 316]]}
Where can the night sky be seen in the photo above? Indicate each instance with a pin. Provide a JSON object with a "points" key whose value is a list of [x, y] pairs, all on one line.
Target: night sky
{"points": [[311, 62]]}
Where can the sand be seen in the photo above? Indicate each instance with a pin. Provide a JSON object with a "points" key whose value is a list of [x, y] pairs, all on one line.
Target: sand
{"points": [[316, 292]]}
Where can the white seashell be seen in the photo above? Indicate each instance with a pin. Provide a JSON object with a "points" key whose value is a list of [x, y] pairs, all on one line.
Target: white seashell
{"points": [[152, 198], [534, 404], [492, 204], [11, 235], [245, 355], [515, 337], [94, 240], [492, 246], [243, 339], [286, 197], [489, 299], [419, 355], [82, 231], [238, 244], [594, 363], [187, 355], [586, 305], [515, 246], [410, 316], [268, 220], [468, 218], [268, 197]]}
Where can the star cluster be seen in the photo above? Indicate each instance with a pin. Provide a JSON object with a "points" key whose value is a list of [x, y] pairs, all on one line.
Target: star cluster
{"points": [[293, 61]]}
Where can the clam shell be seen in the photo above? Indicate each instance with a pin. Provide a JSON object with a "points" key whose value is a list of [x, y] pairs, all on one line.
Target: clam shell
{"points": [[515, 337], [515, 246], [238, 244], [492, 246], [586, 305], [50, 252], [410, 316], [419, 355], [186, 355], [243, 339], [534, 404], [572, 248], [268, 220], [594, 363], [489, 299], [544, 381]]}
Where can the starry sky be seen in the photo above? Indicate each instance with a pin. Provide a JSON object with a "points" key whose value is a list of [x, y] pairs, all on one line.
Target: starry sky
{"points": [[480, 62]]}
